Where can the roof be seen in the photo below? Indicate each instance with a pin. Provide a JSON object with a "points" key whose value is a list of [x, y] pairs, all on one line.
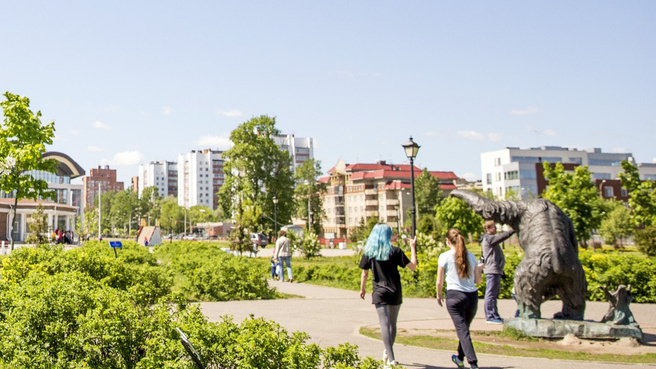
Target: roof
{"points": [[67, 166], [6, 203]]}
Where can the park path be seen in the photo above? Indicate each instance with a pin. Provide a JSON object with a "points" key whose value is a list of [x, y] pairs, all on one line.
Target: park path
{"points": [[333, 316]]}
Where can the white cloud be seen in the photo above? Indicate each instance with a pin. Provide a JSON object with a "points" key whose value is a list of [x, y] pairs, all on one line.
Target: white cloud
{"points": [[95, 149], [619, 150], [230, 113], [100, 125], [478, 136], [166, 110], [470, 177], [343, 73], [653, 160], [125, 158], [527, 111], [223, 143]]}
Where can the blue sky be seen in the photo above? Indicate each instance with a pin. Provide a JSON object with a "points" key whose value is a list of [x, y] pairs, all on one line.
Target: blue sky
{"points": [[129, 82]]}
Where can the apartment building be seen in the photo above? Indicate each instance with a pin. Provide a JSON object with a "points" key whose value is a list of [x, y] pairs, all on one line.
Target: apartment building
{"points": [[361, 191], [100, 180], [300, 148], [160, 174], [200, 176], [519, 170]]}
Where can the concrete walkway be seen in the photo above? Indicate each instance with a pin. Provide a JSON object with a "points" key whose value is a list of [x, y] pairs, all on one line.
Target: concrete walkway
{"points": [[334, 316]]}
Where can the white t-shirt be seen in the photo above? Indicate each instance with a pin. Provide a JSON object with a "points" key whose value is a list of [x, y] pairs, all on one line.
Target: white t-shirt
{"points": [[447, 260]]}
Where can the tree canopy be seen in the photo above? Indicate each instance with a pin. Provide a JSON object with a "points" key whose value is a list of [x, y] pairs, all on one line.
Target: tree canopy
{"points": [[257, 170], [576, 195], [427, 193], [23, 140], [309, 190]]}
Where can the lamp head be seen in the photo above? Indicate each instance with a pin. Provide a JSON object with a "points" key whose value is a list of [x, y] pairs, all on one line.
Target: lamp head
{"points": [[411, 148]]}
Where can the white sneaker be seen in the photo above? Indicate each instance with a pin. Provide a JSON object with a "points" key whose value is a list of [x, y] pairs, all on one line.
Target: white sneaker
{"points": [[384, 356], [390, 364]]}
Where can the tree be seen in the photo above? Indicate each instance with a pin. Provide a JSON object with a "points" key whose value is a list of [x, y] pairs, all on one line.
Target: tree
{"points": [[258, 170], [642, 195], [455, 213], [23, 141], [616, 225], [38, 226], [427, 193], [576, 195], [310, 191], [122, 209], [172, 215]]}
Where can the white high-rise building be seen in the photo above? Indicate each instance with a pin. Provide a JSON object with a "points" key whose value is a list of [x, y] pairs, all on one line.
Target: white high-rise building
{"points": [[200, 176], [301, 148], [161, 174], [514, 169]]}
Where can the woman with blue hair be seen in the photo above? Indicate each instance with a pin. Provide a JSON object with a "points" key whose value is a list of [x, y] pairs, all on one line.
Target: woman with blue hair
{"points": [[383, 260]]}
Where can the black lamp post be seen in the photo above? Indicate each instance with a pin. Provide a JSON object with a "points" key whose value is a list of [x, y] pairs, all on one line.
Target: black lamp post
{"points": [[411, 148], [275, 216]]}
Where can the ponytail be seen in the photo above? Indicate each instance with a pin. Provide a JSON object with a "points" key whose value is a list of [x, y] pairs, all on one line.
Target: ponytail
{"points": [[462, 264]]}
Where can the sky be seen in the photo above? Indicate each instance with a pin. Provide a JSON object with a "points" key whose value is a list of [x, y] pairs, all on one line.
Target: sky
{"points": [[131, 82]]}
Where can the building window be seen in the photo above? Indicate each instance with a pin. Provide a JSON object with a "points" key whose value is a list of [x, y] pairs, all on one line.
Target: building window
{"points": [[488, 178], [623, 192], [608, 192], [497, 161], [513, 174]]}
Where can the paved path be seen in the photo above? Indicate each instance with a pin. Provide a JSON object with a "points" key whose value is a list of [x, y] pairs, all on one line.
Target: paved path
{"points": [[333, 316]]}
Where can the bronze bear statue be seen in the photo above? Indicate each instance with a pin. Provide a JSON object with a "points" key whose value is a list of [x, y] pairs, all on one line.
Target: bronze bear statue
{"points": [[551, 264]]}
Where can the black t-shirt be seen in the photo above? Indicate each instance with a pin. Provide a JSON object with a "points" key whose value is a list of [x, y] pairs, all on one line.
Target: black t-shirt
{"points": [[386, 278]]}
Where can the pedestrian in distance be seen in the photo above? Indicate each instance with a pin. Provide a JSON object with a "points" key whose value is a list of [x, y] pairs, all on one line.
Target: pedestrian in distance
{"points": [[283, 254], [383, 260], [494, 262], [461, 272]]}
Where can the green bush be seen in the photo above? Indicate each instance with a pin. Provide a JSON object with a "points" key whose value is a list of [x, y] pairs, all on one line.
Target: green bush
{"points": [[207, 273]]}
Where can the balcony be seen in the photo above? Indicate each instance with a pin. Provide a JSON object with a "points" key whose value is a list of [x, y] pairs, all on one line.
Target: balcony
{"points": [[371, 213], [392, 202], [371, 191], [371, 203]]}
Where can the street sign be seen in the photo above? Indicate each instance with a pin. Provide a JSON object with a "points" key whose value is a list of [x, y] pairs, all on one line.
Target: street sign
{"points": [[115, 244]]}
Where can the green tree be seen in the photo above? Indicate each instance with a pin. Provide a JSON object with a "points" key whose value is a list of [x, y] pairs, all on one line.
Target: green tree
{"points": [[362, 230], [38, 227], [122, 209], [576, 195], [172, 215], [258, 170], [23, 140], [148, 202], [455, 213], [309, 190], [642, 195], [427, 193], [616, 225]]}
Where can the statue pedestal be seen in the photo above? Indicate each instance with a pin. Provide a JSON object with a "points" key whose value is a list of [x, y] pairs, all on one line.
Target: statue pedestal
{"points": [[554, 328]]}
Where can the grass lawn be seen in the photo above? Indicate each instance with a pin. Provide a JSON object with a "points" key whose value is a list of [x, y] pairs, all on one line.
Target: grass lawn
{"points": [[509, 343]]}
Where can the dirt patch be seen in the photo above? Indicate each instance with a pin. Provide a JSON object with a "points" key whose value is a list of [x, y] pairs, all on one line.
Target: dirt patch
{"points": [[624, 346]]}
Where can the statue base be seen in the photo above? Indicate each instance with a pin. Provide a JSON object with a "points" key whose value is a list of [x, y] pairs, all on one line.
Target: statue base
{"points": [[554, 328]]}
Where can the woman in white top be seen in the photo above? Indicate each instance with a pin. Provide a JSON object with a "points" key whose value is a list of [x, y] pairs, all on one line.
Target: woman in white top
{"points": [[459, 267]]}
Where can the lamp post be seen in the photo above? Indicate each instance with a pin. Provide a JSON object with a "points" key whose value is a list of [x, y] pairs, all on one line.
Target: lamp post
{"points": [[275, 216], [411, 148], [601, 188]]}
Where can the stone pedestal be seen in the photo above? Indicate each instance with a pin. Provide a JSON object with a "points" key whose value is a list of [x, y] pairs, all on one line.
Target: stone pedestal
{"points": [[554, 328]]}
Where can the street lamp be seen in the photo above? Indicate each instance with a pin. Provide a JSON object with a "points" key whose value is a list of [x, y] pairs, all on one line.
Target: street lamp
{"points": [[275, 216], [411, 148], [601, 188]]}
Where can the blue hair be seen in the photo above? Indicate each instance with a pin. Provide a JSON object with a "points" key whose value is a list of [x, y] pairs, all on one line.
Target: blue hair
{"points": [[379, 244]]}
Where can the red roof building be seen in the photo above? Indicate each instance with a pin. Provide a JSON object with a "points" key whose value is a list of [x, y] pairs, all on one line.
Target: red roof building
{"points": [[363, 190]]}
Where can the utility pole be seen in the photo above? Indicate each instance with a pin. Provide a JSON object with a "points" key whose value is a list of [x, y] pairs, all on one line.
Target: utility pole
{"points": [[99, 210]]}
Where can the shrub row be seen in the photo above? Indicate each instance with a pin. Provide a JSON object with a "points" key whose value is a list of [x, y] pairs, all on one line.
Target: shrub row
{"points": [[87, 308], [601, 269]]}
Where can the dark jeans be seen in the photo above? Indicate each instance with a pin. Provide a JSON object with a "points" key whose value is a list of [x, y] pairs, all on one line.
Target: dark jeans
{"points": [[462, 307], [492, 287]]}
